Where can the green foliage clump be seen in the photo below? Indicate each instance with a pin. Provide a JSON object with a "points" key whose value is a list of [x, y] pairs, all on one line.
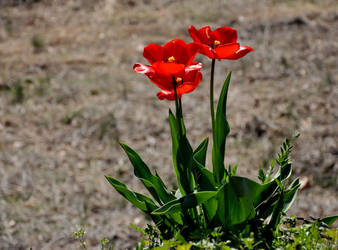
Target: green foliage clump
{"points": [[80, 236], [208, 202], [310, 235]]}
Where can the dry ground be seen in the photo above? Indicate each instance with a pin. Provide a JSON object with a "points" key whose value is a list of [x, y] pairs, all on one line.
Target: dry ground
{"points": [[68, 95]]}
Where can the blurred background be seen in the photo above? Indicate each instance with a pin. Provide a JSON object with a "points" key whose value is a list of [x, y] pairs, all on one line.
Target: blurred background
{"points": [[68, 95]]}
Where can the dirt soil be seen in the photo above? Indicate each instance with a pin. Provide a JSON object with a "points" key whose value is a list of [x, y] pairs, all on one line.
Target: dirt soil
{"points": [[68, 94]]}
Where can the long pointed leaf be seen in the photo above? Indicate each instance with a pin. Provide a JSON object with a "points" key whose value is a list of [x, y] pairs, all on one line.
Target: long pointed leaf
{"points": [[147, 205], [277, 211], [182, 156], [222, 129], [290, 195], [137, 199], [234, 207], [153, 183], [284, 172], [329, 220], [203, 177], [184, 203], [200, 153]]}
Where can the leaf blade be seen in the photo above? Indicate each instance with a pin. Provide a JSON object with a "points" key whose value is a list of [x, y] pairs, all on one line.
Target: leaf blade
{"points": [[153, 183], [221, 130], [185, 202]]}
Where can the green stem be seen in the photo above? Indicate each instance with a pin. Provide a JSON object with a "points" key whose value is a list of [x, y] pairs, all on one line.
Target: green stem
{"points": [[212, 109], [179, 117], [178, 105]]}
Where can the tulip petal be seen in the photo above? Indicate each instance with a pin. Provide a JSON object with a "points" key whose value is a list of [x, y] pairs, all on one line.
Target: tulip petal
{"points": [[166, 95], [243, 50], [207, 51], [193, 78], [194, 34], [153, 53], [185, 88], [226, 50], [191, 81], [193, 49], [163, 82], [203, 35], [181, 52], [194, 67], [168, 69], [226, 35], [143, 69]]}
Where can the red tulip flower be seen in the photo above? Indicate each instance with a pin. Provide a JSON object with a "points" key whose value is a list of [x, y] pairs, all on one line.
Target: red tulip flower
{"points": [[171, 65], [219, 44]]}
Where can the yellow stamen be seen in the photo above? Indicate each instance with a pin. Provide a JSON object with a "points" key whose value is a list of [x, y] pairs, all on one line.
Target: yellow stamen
{"points": [[179, 80], [171, 59], [216, 42]]}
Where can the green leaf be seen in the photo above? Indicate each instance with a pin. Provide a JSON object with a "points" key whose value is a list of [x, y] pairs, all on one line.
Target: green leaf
{"points": [[277, 211], [251, 189], [261, 175], [147, 205], [265, 209], [329, 220], [137, 199], [174, 128], [205, 182], [222, 129], [290, 195], [233, 170], [184, 247], [200, 152], [164, 224], [173, 219], [285, 171], [182, 157], [144, 203], [153, 183], [285, 200], [185, 202], [270, 171], [184, 163], [203, 177], [239, 198], [236, 201], [174, 133]]}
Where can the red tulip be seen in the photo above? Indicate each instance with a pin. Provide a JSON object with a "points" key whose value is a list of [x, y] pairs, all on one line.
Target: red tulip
{"points": [[171, 64], [219, 44], [176, 51]]}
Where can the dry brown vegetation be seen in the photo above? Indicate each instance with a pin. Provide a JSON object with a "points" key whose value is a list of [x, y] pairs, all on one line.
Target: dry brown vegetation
{"points": [[68, 95]]}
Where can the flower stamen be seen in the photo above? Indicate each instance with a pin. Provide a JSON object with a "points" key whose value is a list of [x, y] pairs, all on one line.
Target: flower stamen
{"points": [[171, 59], [179, 80], [216, 42]]}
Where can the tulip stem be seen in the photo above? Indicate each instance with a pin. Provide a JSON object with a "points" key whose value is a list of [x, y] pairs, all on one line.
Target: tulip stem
{"points": [[178, 105], [179, 117], [212, 109]]}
